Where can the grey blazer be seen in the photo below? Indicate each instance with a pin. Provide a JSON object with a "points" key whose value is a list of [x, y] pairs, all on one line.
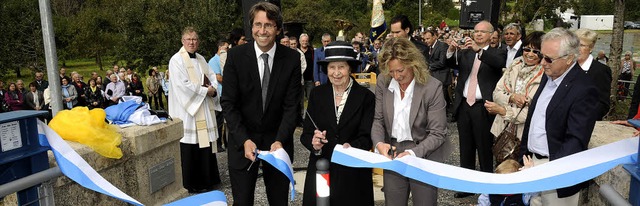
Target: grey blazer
{"points": [[428, 118]]}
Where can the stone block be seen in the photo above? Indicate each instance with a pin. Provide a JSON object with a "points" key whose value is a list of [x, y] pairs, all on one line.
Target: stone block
{"points": [[143, 147]]}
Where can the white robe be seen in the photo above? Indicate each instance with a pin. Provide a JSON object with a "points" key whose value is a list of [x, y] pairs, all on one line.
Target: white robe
{"points": [[186, 98]]}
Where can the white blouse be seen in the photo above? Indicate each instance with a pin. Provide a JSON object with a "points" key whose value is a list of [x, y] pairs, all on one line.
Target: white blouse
{"points": [[401, 130]]}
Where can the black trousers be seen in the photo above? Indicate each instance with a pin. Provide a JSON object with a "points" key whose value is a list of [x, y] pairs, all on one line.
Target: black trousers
{"points": [[199, 168], [474, 128], [243, 185]]}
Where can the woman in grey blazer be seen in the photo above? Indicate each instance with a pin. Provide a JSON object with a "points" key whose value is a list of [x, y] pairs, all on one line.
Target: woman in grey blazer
{"points": [[410, 119]]}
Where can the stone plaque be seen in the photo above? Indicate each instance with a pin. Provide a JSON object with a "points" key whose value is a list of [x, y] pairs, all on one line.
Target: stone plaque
{"points": [[161, 175]]}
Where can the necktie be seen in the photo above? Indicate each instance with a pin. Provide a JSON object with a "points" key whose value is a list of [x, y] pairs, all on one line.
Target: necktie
{"points": [[265, 79], [473, 82]]}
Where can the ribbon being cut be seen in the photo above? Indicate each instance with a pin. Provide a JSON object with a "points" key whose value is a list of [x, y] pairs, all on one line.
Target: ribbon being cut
{"points": [[559, 173], [281, 161]]}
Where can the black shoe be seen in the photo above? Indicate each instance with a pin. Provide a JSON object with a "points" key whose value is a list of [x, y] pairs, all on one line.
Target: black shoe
{"points": [[462, 194]]}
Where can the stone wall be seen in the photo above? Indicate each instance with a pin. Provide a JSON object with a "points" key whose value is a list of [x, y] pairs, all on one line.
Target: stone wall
{"points": [[143, 148]]}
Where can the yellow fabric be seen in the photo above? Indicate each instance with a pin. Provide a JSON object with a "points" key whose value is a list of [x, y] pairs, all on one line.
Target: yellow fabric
{"points": [[88, 127]]}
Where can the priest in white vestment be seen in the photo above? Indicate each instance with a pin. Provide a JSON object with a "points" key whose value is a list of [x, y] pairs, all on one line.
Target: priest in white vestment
{"points": [[193, 99]]}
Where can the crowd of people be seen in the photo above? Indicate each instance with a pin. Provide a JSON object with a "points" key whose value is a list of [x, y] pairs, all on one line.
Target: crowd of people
{"points": [[548, 85], [94, 93]]}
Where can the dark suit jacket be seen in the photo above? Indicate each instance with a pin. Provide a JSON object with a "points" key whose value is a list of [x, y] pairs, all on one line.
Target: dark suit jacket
{"points": [[601, 76], [42, 85], [29, 100], [569, 118], [437, 62], [349, 186], [424, 49], [242, 101], [490, 71]]}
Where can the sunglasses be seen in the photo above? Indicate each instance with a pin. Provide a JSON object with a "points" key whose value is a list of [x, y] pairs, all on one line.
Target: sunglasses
{"points": [[535, 51], [551, 60]]}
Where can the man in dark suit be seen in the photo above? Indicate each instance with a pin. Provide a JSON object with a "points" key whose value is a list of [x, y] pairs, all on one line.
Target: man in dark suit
{"points": [[401, 28], [561, 117], [260, 101], [513, 41], [437, 58], [480, 69], [599, 73], [40, 83]]}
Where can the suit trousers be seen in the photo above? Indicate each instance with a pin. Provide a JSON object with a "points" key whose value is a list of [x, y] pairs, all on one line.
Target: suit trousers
{"points": [[397, 187], [474, 128], [550, 197], [243, 185]]}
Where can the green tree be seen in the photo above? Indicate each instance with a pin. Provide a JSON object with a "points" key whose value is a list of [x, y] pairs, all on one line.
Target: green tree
{"points": [[21, 36]]}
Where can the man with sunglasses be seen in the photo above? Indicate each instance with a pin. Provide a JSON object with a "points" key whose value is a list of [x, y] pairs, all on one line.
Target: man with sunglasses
{"points": [[561, 117], [480, 69]]}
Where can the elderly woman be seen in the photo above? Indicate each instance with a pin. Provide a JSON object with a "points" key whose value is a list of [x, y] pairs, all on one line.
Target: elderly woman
{"points": [[600, 73], [517, 86], [410, 119], [340, 112], [69, 94]]}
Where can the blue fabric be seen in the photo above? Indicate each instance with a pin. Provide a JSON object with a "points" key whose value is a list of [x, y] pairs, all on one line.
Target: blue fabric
{"points": [[202, 199], [585, 165], [119, 113], [65, 92], [214, 64], [318, 75], [75, 168]]}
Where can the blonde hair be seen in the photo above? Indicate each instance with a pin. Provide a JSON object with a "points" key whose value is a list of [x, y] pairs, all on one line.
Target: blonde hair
{"points": [[587, 35], [508, 166], [407, 53]]}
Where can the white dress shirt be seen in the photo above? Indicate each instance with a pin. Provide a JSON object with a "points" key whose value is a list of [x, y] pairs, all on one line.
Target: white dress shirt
{"points": [[466, 82], [511, 52], [259, 52], [537, 142]]}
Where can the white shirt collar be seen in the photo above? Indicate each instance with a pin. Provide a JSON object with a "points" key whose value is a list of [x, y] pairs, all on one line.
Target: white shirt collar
{"points": [[587, 63], [394, 87], [516, 46], [259, 52]]}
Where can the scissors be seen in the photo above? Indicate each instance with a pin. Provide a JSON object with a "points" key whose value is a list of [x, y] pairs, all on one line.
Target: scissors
{"points": [[255, 153], [314, 125], [391, 152]]}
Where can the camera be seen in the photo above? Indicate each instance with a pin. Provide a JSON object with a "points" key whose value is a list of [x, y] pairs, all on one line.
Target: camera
{"points": [[462, 41]]}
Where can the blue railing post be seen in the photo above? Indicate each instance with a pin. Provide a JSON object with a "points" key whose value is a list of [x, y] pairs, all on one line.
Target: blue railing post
{"points": [[634, 187]]}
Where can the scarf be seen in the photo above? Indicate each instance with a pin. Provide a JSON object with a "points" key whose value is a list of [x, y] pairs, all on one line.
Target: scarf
{"points": [[65, 93], [202, 132]]}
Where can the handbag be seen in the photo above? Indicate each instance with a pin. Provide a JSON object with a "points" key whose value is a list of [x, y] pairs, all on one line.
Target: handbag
{"points": [[507, 145]]}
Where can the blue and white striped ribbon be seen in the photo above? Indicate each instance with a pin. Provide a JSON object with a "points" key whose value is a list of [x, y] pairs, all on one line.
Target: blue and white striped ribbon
{"points": [[75, 168], [559, 173], [213, 198], [281, 161]]}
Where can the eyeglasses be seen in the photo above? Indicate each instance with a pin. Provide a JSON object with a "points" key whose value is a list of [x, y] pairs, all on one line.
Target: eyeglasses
{"points": [[191, 40], [266, 26], [551, 60], [535, 51]]}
